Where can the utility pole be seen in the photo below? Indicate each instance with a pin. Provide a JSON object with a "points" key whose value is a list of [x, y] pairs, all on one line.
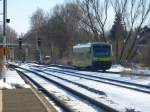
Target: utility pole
{"points": [[38, 44], [4, 35], [4, 20]]}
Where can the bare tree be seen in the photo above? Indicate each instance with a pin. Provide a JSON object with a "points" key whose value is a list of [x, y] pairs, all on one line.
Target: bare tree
{"points": [[37, 19], [95, 15], [134, 13], [58, 31]]}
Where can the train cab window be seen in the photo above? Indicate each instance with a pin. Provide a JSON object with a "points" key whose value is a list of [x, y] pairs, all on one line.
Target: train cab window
{"points": [[102, 51]]}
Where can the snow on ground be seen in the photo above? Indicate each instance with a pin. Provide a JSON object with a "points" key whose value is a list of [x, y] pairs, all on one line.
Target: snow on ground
{"points": [[116, 68], [97, 97], [5, 85], [123, 77], [122, 96], [125, 97], [141, 71], [134, 70], [115, 95]]}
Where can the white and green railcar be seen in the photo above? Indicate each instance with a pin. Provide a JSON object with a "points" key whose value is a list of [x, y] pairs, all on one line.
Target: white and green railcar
{"points": [[96, 55]]}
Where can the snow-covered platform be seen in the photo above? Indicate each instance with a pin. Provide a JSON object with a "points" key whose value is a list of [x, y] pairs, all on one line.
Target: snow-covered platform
{"points": [[12, 80]]}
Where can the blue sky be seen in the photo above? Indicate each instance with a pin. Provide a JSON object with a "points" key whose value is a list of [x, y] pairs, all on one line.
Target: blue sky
{"points": [[20, 11]]}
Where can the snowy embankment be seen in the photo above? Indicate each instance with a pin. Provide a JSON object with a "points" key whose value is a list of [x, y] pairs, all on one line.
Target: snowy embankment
{"points": [[141, 72], [137, 71]]}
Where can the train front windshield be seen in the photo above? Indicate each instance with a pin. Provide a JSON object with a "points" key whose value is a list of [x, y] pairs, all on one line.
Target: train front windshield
{"points": [[102, 51]]}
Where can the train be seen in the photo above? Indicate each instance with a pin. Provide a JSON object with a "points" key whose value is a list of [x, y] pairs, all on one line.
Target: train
{"points": [[93, 56]]}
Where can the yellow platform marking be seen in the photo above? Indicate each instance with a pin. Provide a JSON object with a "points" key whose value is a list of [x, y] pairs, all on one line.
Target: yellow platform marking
{"points": [[1, 101]]}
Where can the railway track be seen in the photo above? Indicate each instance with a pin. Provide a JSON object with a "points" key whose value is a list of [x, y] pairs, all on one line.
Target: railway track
{"points": [[82, 96], [35, 84], [78, 84], [71, 69], [74, 68], [98, 78], [68, 78], [120, 83]]}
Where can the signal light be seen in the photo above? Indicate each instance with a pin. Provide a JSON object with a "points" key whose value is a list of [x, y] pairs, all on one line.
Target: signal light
{"points": [[5, 51], [7, 20], [39, 42], [20, 43]]}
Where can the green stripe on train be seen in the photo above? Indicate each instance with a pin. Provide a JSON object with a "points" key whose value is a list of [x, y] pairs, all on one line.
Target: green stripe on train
{"points": [[103, 59]]}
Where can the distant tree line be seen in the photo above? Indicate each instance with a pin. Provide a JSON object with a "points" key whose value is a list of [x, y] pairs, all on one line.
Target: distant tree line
{"points": [[58, 31], [84, 21], [11, 38]]}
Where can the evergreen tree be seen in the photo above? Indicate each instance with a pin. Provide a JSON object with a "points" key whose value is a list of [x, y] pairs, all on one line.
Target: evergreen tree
{"points": [[116, 35]]}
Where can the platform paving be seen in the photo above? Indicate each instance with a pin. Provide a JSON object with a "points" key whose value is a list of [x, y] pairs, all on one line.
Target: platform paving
{"points": [[20, 100]]}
